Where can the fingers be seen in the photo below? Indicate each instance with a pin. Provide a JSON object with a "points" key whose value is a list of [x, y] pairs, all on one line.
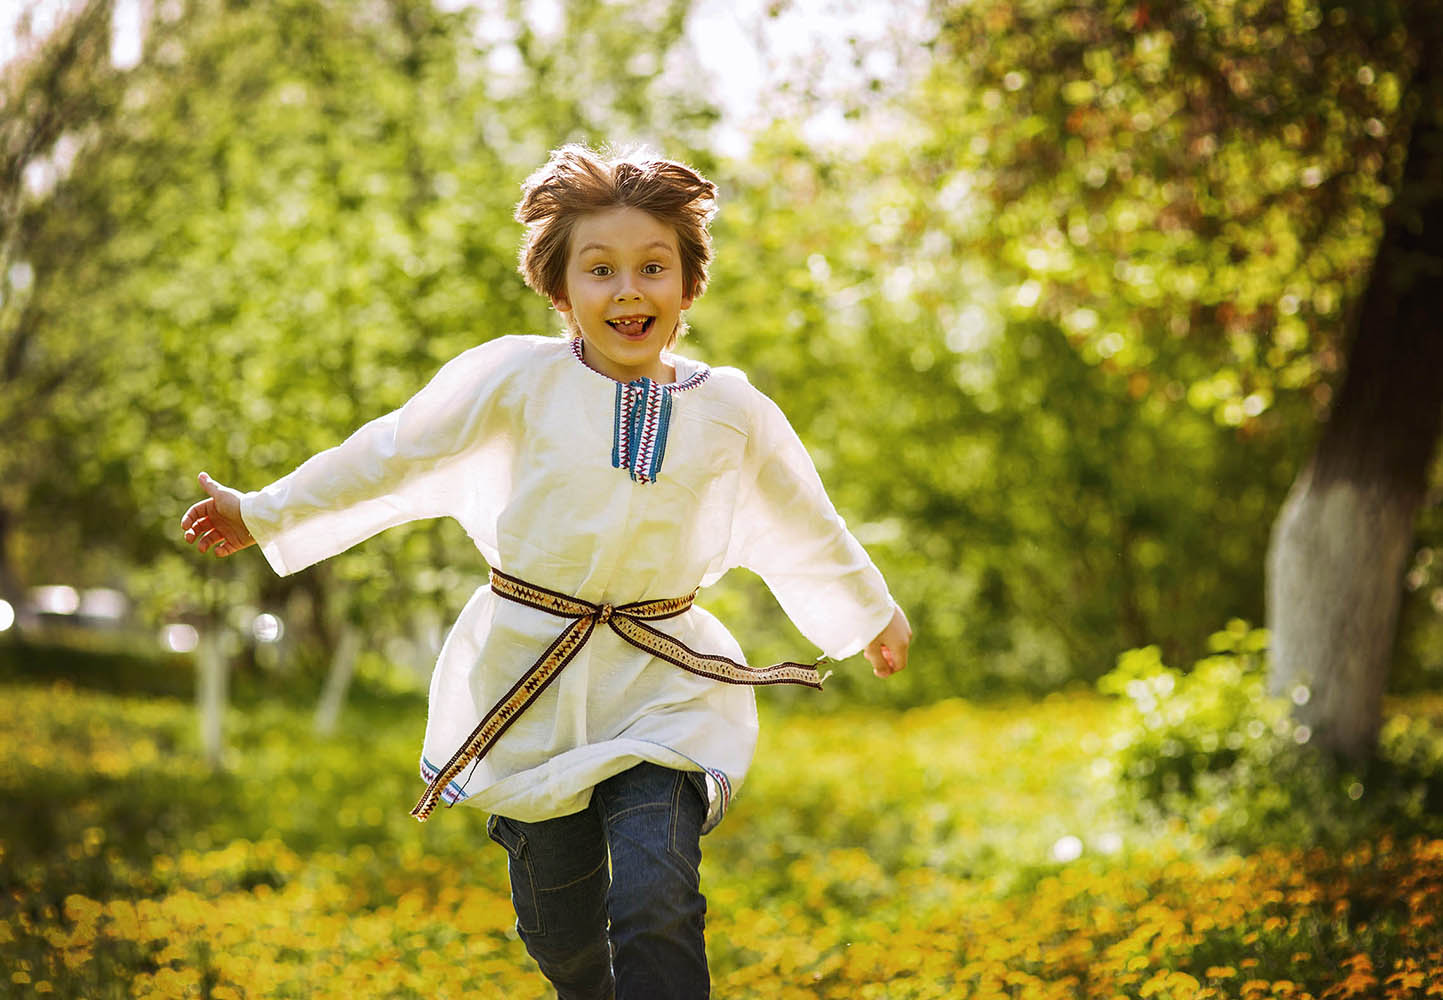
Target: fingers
{"points": [[217, 540], [897, 654], [205, 535], [886, 663], [884, 659], [214, 524], [888, 652], [204, 528], [201, 525], [196, 520]]}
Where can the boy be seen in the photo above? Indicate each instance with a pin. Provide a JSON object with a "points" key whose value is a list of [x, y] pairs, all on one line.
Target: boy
{"points": [[604, 480]]}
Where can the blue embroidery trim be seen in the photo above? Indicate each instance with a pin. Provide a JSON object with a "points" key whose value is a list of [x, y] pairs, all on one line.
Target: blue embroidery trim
{"points": [[620, 457], [663, 425], [641, 421], [454, 792], [639, 431]]}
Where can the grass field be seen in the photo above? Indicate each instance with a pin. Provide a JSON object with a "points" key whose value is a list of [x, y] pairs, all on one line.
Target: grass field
{"points": [[959, 850]]}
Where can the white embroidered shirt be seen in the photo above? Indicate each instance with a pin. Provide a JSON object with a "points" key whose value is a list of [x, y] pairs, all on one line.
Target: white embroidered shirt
{"points": [[528, 449]]}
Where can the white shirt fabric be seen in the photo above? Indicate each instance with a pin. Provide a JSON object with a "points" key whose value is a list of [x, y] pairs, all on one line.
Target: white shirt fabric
{"points": [[513, 438]]}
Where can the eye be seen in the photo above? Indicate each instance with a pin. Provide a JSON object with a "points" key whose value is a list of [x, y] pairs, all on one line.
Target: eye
{"points": [[601, 270], [652, 269]]}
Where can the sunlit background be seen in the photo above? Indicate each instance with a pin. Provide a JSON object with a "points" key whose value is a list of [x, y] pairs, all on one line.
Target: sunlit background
{"points": [[1061, 298]]}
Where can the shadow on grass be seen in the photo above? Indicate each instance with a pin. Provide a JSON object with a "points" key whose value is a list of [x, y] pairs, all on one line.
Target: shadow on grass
{"points": [[96, 664], [124, 667]]}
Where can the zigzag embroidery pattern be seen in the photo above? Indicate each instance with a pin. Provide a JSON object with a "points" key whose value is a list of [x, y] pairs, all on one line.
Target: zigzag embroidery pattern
{"points": [[641, 419]]}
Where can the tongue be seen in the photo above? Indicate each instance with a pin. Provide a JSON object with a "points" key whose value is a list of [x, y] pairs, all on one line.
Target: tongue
{"points": [[631, 328]]}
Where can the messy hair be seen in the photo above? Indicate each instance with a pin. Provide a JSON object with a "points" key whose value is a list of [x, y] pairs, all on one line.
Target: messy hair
{"points": [[576, 181]]}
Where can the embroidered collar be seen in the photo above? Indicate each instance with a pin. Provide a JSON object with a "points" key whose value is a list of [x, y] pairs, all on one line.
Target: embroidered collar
{"points": [[693, 380], [641, 419]]}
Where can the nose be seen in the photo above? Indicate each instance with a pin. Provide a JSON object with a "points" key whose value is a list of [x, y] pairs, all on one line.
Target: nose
{"points": [[627, 290]]}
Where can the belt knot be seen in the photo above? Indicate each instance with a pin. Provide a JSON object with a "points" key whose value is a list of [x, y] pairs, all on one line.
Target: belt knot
{"points": [[630, 622]]}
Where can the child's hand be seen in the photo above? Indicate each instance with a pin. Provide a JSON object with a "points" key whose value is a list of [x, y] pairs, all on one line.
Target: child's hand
{"points": [[888, 652], [215, 522]]}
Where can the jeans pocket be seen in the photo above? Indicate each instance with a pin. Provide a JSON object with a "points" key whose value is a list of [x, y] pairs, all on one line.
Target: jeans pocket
{"points": [[697, 780], [523, 879], [688, 813]]}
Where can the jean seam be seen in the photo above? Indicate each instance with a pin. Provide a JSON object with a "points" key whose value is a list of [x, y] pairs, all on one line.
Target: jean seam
{"points": [[540, 923], [671, 846], [524, 860], [576, 881], [636, 809]]}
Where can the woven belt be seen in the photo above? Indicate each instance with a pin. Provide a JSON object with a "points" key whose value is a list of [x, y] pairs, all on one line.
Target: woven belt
{"points": [[628, 621]]}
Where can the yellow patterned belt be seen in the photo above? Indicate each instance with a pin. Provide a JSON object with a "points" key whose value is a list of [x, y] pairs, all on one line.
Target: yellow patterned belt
{"points": [[628, 621]]}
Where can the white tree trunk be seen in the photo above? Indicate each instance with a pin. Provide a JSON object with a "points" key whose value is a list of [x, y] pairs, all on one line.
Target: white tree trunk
{"points": [[338, 679], [1335, 571], [211, 694], [1341, 542], [429, 634]]}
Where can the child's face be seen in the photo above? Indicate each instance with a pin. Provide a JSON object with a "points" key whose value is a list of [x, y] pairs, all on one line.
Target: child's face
{"points": [[624, 292]]}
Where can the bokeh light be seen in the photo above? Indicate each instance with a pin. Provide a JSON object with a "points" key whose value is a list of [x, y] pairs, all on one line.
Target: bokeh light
{"points": [[267, 628], [180, 638]]}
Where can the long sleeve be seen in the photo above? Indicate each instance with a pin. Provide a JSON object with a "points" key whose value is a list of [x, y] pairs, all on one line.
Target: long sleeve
{"points": [[400, 467], [788, 531]]}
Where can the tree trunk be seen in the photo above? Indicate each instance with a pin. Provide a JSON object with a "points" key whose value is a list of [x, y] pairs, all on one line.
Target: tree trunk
{"points": [[211, 692], [1335, 569], [10, 588], [1342, 540], [338, 679]]}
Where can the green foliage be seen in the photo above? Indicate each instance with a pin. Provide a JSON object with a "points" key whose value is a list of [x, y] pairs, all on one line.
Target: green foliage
{"points": [[1419, 656], [1035, 513], [1212, 747], [291, 214], [1193, 185], [1057, 372]]}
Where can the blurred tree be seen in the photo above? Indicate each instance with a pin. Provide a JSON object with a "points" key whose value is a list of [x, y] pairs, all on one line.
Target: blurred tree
{"points": [[1036, 514], [1344, 537], [984, 311], [1194, 194], [294, 214], [58, 90]]}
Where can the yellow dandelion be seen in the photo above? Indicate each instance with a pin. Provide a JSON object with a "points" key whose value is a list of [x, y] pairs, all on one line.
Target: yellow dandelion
{"points": [[1407, 980]]}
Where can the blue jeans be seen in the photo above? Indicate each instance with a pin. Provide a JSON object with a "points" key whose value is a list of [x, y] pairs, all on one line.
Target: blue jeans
{"points": [[633, 928]]}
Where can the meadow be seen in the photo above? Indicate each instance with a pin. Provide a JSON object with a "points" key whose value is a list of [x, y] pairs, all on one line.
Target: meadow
{"points": [[957, 850]]}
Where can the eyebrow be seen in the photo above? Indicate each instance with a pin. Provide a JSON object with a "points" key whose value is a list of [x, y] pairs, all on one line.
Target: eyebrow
{"points": [[654, 244]]}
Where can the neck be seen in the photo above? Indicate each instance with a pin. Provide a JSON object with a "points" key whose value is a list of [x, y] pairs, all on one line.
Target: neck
{"points": [[658, 371]]}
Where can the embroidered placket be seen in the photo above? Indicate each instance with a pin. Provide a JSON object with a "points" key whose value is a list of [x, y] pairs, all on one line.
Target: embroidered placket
{"points": [[643, 415], [640, 421]]}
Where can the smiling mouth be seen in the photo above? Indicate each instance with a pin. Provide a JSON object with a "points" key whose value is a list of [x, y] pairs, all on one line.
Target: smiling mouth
{"points": [[632, 326]]}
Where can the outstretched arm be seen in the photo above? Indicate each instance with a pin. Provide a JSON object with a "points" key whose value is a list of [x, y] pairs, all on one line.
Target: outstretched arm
{"points": [[215, 522], [888, 652]]}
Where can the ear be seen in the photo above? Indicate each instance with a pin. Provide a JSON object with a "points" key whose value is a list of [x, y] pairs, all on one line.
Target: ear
{"points": [[686, 303], [561, 303]]}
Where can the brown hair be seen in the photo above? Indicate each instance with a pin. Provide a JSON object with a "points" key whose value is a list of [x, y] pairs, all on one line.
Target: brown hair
{"points": [[576, 181]]}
